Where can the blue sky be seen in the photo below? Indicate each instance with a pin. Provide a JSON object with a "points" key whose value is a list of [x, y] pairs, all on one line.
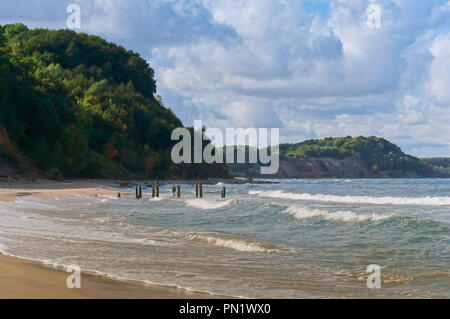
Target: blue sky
{"points": [[311, 68], [315, 7]]}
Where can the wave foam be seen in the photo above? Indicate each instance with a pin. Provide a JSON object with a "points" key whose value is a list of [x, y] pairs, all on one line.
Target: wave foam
{"points": [[208, 204], [103, 220], [387, 200], [339, 216], [236, 244]]}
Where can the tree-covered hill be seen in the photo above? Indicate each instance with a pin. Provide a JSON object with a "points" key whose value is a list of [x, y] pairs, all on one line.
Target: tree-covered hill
{"points": [[344, 157], [78, 106], [377, 153], [439, 165]]}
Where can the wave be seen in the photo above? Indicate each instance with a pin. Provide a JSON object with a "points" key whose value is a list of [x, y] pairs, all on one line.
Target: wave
{"points": [[301, 212], [233, 243], [30, 203], [103, 220], [156, 199], [387, 200], [222, 241], [208, 204]]}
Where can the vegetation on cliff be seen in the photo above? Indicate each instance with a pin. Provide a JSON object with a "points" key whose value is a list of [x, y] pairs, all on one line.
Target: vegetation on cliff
{"points": [[79, 106], [377, 153], [439, 165]]}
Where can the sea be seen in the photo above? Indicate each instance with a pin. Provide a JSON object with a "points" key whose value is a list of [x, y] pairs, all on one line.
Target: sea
{"points": [[295, 238]]}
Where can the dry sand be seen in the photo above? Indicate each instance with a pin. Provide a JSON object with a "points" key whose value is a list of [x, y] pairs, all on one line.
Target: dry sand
{"points": [[20, 278], [10, 191]]}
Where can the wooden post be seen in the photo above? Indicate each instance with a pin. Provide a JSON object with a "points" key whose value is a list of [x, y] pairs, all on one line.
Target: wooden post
{"points": [[157, 189], [118, 195], [178, 191], [137, 194], [200, 186], [223, 192], [196, 190], [174, 190], [153, 191], [140, 191]]}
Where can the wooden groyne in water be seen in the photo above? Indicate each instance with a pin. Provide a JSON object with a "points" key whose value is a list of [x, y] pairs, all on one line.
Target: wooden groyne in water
{"points": [[176, 190]]}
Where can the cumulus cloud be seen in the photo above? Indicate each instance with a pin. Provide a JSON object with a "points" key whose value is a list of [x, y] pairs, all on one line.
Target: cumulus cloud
{"points": [[312, 70], [438, 87]]}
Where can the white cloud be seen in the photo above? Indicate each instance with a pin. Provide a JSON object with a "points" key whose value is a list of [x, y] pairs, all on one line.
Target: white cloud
{"points": [[268, 63], [438, 87]]}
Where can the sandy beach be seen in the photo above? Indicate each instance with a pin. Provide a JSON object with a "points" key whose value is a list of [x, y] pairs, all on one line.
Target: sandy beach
{"points": [[46, 189], [25, 279], [20, 278]]}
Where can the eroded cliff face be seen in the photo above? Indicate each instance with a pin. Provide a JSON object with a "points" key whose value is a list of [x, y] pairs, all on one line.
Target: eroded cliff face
{"points": [[324, 167], [12, 162], [351, 167]]}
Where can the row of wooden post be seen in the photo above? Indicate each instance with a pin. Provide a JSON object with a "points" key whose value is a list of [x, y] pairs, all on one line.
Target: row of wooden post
{"points": [[199, 190], [175, 190], [155, 191]]}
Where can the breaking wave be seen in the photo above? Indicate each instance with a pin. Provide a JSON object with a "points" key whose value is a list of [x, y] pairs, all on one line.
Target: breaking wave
{"points": [[387, 200], [236, 244], [103, 220], [208, 204], [338, 216]]}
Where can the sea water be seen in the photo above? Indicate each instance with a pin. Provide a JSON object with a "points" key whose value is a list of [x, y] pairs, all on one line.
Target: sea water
{"points": [[291, 239]]}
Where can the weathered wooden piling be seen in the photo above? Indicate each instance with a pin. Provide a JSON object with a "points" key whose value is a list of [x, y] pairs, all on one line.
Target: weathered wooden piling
{"points": [[196, 190], [174, 190], [140, 191], [223, 192], [137, 192], [178, 191], [118, 195], [157, 188], [200, 187], [153, 191]]}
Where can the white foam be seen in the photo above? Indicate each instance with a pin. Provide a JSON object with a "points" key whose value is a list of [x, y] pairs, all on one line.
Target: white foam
{"points": [[32, 203], [387, 200], [302, 212], [236, 244], [208, 204], [103, 220]]}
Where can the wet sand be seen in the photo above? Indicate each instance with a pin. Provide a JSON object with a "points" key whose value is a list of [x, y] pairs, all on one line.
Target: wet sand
{"points": [[21, 278]]}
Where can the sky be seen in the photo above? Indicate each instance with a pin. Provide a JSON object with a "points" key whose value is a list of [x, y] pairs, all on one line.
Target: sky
{"points": [[311, 68]]}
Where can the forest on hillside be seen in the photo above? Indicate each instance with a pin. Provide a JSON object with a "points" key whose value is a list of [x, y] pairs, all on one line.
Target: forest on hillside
{"points": [[378, 153], [439, 165], [76, 105]]}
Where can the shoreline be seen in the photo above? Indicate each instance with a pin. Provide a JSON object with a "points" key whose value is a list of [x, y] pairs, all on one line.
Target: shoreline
{"points": [[46, 189], [22, 278], [11, 190]]}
